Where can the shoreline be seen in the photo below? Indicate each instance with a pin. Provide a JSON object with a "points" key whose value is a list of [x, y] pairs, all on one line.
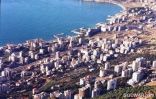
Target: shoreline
{"points": [[54, 38], [105, 1], [70, 64]]}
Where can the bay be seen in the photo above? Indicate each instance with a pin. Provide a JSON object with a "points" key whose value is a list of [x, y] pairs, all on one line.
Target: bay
{"points": [[21, 20]]}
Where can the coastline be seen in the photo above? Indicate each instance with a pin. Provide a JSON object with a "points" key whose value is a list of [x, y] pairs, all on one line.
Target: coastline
{"points": [[98, 1], [106, 1], [73, 56]]}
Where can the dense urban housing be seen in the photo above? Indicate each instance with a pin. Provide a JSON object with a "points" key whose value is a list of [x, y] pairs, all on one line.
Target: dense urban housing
{"points": [[113, 60]]}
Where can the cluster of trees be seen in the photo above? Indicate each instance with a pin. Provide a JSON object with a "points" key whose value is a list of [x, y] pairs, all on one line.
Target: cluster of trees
{"points": [[119, 93]]}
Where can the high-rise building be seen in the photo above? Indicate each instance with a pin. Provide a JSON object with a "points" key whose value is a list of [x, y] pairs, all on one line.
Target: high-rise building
{"points": [[111, 84]]}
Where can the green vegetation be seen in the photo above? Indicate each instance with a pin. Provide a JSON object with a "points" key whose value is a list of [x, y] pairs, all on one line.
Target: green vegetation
{"points": [[119, 93], [47, 86], [132, 57]]}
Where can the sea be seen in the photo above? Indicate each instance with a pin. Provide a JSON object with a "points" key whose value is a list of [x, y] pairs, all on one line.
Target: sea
{"points": [[22, 20]]}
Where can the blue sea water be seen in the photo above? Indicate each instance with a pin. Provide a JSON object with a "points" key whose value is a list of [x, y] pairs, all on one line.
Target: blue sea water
{"points": [[22, 20]]}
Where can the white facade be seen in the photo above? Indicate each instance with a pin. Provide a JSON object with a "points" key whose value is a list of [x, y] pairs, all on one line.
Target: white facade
{"points": [[41, 51], [124, 73], [76, 96], [118, 69], [135, 65], [102, 72], [82, 82], [94, 93], [136, 77], [107, 65], [67, 94], [154, 64], [111, 84]]}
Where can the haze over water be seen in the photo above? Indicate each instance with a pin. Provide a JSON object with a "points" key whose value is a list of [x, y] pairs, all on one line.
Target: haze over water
{"points": [[22, 20]]}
